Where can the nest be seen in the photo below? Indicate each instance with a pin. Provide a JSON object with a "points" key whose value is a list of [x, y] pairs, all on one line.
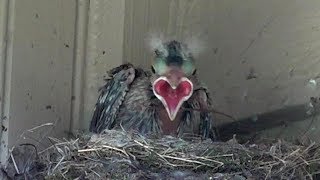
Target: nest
{"points": [[120, 155]]}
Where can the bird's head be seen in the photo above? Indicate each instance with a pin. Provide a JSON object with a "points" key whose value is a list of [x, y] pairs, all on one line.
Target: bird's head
{"points": [[173, 65]]}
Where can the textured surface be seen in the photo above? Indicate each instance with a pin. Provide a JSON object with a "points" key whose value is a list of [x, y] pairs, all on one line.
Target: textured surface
{"points": [[37, 67], [3, 22], [53, 56]]}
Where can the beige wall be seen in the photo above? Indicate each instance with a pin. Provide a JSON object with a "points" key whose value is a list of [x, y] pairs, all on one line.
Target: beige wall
{"points": [[52, 60], [54, 54], [104, 50], [99, 47], [3, 21], [36, 67]]}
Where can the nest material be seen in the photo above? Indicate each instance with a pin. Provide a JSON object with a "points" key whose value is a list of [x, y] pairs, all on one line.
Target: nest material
{"points": [[119, 155]]}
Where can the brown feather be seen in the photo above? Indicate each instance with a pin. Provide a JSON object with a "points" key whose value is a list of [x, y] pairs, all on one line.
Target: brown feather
{"points": [[141, 111]]}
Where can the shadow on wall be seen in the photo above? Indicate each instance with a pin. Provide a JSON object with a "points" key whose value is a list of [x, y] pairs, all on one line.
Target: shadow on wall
{"points": [[248, 128]]}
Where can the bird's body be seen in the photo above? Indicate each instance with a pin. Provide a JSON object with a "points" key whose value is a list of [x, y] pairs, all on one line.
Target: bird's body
{"points": [[131, 99]]}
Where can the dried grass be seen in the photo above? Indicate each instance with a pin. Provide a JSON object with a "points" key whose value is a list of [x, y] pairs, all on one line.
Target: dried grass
{"points": [[121, 155]]}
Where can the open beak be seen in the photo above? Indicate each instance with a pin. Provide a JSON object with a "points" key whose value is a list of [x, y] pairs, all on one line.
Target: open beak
{"points": [[172, 95]]}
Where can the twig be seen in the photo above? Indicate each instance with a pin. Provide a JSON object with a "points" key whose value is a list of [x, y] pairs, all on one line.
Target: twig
{"points": [[14, 163], [185, 160], [87, 150], [40, 126], [212, 160]]}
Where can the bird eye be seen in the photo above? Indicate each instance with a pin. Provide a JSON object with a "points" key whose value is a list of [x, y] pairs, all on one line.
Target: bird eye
{"points": [[157, 52], [194, 72], [152, 69]]}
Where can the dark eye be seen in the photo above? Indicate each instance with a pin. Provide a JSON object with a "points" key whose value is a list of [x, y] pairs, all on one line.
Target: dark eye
{"points": [[157, 52], [152, 69], [194, 72]]}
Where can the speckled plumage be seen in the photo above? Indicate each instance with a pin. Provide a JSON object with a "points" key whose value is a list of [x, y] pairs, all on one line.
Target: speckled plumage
{"points": [[127, 101]]}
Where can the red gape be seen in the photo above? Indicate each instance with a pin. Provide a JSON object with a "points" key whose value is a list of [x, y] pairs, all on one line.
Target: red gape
{"points": [[170, 95]]}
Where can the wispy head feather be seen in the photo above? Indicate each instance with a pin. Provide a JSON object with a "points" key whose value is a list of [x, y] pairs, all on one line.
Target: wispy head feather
{"points": [[192, 45], [156, 43]]}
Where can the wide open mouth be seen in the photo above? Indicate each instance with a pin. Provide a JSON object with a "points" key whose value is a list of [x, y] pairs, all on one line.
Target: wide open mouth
{"points": [[170, 96]]}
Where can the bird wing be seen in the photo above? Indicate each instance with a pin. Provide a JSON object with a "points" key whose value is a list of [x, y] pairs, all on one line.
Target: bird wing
{"points": [[138, 112], [111, 97], [198, 115], [206, 116]]}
